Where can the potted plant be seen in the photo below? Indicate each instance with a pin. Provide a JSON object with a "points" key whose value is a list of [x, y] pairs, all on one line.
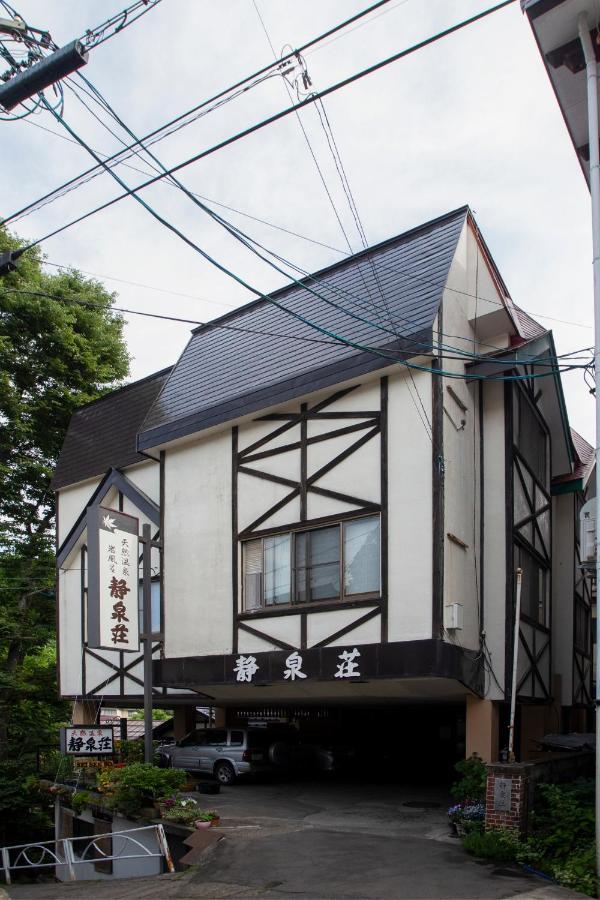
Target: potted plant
{"points": [[207, 819]]}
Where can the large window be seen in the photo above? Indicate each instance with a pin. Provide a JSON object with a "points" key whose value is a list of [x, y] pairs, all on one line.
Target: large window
{"points": [[337, 562]]}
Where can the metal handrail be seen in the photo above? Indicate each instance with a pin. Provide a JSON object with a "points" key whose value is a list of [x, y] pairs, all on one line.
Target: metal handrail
{"points": [[23, 860]]}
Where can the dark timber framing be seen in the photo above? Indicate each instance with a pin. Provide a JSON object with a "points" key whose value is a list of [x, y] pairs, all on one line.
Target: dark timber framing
{"points": [[247, 461], [534, 636]]}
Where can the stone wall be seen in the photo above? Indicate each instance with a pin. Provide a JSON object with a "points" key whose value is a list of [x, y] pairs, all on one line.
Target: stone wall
{"points": [[510, 786]]}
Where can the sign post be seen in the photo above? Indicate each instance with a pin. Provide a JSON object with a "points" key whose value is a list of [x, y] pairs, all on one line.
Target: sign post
{"points": [[146, 540]]}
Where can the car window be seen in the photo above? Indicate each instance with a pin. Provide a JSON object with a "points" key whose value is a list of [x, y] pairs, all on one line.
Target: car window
{"points": [[237, 738], [193, 739], [217, 737]]}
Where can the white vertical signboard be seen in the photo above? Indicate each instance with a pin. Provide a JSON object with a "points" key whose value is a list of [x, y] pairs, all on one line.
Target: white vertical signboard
{"points": [[113, 580]]}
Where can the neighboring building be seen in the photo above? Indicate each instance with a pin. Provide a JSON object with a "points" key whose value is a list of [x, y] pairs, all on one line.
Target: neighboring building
{"points": [[341, 527]]}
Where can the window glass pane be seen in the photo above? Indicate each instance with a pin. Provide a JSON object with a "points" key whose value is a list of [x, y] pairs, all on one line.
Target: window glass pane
{"points": [[237, 738], [521, 504], [361, 556], [300, 550], [217, 737], [155, 595], [324, 560], [253, 574], [277, 576]]}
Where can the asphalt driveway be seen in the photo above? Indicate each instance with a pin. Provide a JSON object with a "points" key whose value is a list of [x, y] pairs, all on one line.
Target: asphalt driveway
{"points": [[325, 841]]}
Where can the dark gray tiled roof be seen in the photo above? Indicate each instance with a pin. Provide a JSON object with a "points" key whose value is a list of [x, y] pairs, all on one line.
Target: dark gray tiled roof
{"points": [[227, 370], [103, 433]]}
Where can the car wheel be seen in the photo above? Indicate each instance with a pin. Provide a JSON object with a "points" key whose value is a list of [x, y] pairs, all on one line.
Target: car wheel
{"points": [[224, 772]]}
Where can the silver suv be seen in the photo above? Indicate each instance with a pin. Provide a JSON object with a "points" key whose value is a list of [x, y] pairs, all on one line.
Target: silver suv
{"points": [[227, 753]]}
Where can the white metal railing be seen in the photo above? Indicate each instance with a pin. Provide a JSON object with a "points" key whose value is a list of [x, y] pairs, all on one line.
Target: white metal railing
{"points": [[88, 850]]}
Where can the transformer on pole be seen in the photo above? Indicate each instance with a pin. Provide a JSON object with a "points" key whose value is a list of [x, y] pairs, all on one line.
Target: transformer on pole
{"points": [[42, 74]]}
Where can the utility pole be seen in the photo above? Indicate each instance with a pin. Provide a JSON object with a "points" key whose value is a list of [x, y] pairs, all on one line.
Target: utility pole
{"points": [[593, 139], [148, 544]]}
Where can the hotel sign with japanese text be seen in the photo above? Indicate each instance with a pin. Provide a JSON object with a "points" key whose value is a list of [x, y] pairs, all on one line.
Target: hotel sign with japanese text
{"points": [[113, 578], [84, 740]]}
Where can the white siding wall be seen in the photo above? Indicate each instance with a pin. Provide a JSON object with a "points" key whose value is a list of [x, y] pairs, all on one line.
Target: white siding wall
{"points": [[197, 577], [410, 507]]}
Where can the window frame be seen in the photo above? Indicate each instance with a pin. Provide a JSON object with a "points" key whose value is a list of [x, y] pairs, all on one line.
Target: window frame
{"points": [[295, 605]]}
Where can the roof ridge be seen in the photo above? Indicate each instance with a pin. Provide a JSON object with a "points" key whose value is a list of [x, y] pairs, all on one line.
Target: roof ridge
{"points": [[319, 273]]}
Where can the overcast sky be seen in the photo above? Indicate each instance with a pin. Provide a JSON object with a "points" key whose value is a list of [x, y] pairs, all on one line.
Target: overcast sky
{"points": [[471, 119]]}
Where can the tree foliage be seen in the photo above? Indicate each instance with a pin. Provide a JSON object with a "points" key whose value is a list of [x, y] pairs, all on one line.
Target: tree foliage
{"points": [[55, 355]]}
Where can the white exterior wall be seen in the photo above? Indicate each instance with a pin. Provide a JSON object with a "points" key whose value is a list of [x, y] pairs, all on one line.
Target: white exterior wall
{"points": [[197, 560], [410, 500], [70, 503]]}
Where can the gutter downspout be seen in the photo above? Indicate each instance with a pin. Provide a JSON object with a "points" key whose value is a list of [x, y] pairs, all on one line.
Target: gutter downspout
{"points": [[593, 140]]}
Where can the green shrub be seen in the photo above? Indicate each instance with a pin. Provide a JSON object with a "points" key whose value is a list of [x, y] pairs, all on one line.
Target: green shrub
{"points": [[497, 845], [471, 786], [139, 785], [55, 765], [563, 822], [578, 872], [80, 800]]}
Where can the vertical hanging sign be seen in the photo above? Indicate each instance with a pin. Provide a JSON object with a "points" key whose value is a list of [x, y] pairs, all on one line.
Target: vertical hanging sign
{"points": [[113, 578]]}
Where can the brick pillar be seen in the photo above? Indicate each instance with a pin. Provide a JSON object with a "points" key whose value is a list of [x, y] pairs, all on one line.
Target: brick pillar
{"points": [[506, 798]]}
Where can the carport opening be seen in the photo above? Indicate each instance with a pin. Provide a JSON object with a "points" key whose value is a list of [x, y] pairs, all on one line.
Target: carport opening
{"points": [[417, 744]]}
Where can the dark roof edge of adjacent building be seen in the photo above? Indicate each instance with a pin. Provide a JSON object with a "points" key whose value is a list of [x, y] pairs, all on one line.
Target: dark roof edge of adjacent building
{"points": [[124, 387], [339, 264]]}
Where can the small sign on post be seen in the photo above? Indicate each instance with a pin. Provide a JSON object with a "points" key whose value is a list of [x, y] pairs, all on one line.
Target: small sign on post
{"points": [[502, 794], [113, 580], [87, 740]]}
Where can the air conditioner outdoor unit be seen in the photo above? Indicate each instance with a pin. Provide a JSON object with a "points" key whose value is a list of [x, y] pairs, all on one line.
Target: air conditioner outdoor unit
{"points": [[453, 617]]}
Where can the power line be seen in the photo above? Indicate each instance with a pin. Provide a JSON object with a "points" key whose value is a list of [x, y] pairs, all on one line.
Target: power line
{"points": [[222, 94], [279, 115], [235, 232], [238, 235], [238, 328], [232, 230], [306, 138], [210, 200]]}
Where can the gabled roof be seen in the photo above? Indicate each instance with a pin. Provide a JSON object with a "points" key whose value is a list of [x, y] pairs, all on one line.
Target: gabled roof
{"points": [[113, 478], [527, 326], [229, 369], [585, 455], [103, 433]]}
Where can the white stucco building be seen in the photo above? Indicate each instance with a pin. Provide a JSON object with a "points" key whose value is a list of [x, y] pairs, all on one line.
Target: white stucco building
{"points": [[342, 521]]}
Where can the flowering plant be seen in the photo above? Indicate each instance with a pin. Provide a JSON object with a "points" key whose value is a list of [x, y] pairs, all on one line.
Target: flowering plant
{"points": [[474, 812], [467, 816], [177, 801]]}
